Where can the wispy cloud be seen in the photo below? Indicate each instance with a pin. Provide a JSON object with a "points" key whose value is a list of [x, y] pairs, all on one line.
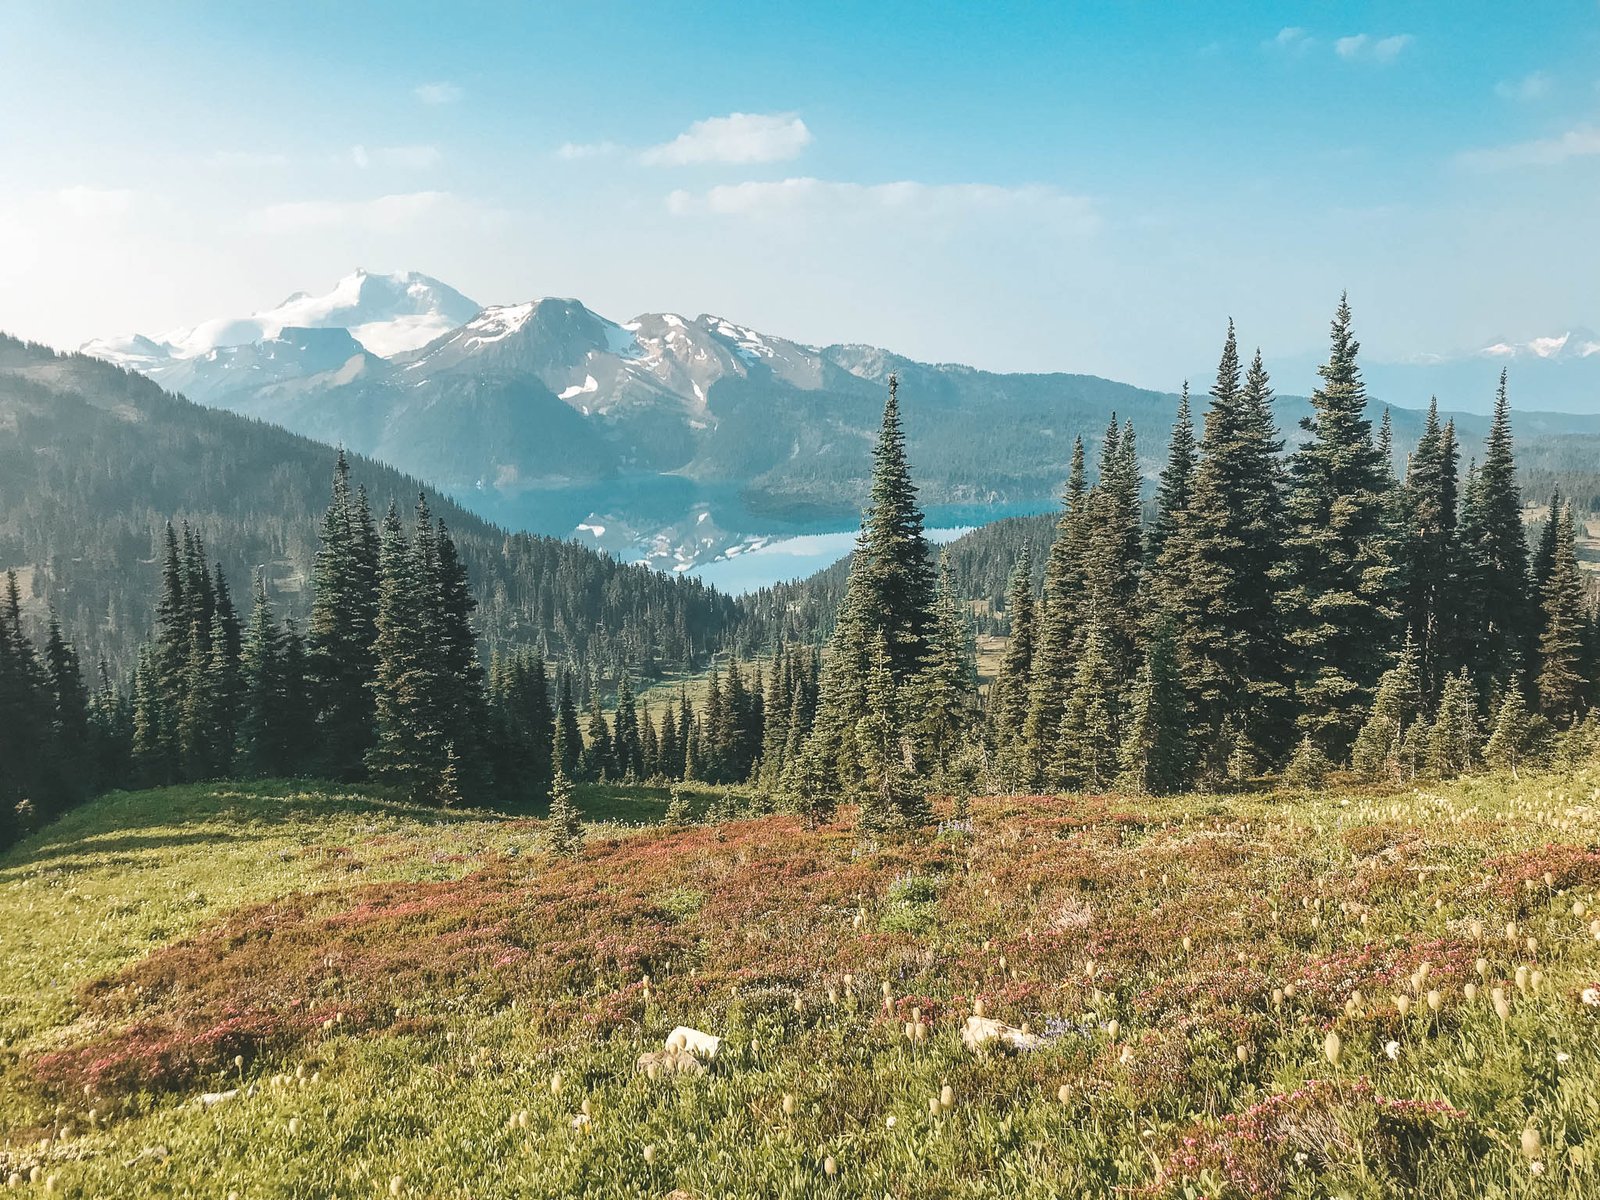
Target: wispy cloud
{"points": [[806, 196], [735, 138], [385, 213], [577, 150], [415, 158], [437, 93], [1530, 87], [249, 159], [1292, 38], [1363, 47], [95, 204], [1582, 142]]}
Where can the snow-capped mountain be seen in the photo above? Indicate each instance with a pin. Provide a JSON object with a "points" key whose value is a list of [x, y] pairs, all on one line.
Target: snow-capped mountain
{"points": [[679, 439], [386, 314], [1573, 344]]}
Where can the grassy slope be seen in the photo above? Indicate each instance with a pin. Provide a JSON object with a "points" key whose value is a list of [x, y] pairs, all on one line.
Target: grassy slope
{"points": [[463, 970]]}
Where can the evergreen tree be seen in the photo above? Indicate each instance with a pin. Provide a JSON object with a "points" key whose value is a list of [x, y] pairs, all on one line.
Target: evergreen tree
{"points": [[1217, 575], [1087, 747], [1429, 555], [299, 714], [1453, 741], [1154, 752], [888, 599], [599, 759], [410, 744], [152, 752], [460, 699], [1562, 684], [1177, 482], [885, 791], [1379, 749], [1114, 556], [225, 697], [1496, 555], [568, 741], [449, 793], [262, 723], [1060, 611], [71, 766], [1338, 573], [1509, 740], [563, 827], [941, 692], [626, 747], [1011, 687], [343, 633], [110, 733]]}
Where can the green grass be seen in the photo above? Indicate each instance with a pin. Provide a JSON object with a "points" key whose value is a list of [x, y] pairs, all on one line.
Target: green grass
{"points": [[1067, 914]]}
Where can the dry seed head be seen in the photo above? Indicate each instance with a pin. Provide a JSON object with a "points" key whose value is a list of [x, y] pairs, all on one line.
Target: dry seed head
{"points": [[947, 1097], [1064, 1094], [1434, 999], [829, 1167], [650, 1154], [1531, 1143], [1332, 1047]]}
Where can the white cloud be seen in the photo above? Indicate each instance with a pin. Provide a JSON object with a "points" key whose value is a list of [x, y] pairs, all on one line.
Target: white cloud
{"points": [[1292, 38], [735, 138], [807, 197], [1581, 142], [249, 159], [95, 204], [415, 158], [1363, 47], [576, 150], [1530, 87], [385, 213], [437, 93]]}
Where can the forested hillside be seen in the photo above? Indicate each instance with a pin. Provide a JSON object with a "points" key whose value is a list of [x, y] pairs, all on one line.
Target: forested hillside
{"points": [[94, 461]]}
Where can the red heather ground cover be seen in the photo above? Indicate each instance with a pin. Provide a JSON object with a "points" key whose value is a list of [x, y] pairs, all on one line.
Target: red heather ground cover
{"points": [[1051, 899]]}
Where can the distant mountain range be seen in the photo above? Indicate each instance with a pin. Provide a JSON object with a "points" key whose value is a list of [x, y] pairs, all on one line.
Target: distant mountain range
{"points": [[669, 438]]}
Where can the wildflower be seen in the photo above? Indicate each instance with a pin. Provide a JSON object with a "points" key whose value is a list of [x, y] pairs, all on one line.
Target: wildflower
{"points": [[1563, 1057], [1590, 996], [1533, 945], [889, 1122], [1482, 967], [650, 1154], [1470, 991], [294, 1126], [947, 1097], [788, 1105], [396, 1185], [555, 1084], [1477, 930], [1392, 1049], [1126, 1056], [1403, 1003], [1579, 908], [1113, 1028], [1534, 980], [1522, 980], [1531, 1144], [1434, 1000], [1242, 1052], [1332, 1047], [1064, 1094], [829, 1167], [933, 1106], [1188, 943]]}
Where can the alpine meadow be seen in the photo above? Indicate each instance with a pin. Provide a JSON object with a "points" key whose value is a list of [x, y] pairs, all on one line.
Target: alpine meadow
{"points": [[477, 751]]}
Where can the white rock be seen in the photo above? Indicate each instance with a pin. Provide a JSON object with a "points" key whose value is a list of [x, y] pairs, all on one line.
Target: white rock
{"points": [[980, 1032], [701, 1045]]}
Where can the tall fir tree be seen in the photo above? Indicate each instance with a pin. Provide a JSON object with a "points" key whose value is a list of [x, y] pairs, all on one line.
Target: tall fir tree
{"points": [[1013, 682], [1338, 577], [940, 695], [1379, 750], [1429, 556], [1087, 745], [410, 744], [1495, 549], [1060, 618], [342, 636], [1217, 572], [262, 745], [1154, 753], [888, 605], [1176, 484], [1562, 685]]}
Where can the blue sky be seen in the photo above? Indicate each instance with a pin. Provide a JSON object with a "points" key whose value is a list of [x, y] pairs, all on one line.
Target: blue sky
{"points": [[1048, 186]]}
